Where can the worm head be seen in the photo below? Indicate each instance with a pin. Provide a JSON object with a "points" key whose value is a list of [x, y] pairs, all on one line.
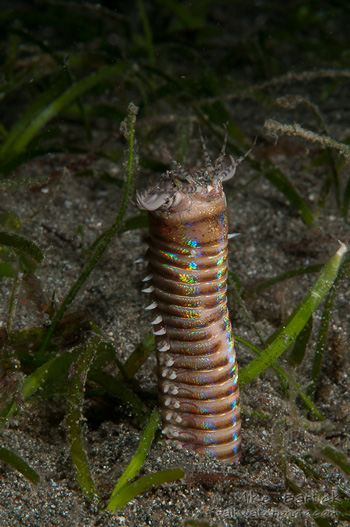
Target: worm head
{"points": [[178, 187]]}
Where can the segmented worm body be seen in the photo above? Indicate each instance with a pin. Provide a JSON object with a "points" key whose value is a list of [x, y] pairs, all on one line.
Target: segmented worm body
{"points": [[187, 273]]}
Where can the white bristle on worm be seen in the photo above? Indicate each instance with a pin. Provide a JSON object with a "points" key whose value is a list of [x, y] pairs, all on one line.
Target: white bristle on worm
{"points": [[157, 320], [149, 289], [165, 347], [151, 306], [233, 235], [160, 331]]}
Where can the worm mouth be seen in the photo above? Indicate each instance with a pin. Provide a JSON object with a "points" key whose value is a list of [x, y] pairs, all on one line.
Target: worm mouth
{"points": [[175, 200], [157, 199], [177, 188]]}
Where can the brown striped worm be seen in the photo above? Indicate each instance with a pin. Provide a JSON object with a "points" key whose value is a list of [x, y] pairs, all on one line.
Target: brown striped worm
{"points": [[186, 279]]}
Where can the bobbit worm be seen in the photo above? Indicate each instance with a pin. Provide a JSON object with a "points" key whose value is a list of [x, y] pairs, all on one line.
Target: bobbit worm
{"points": [[186, 279]]}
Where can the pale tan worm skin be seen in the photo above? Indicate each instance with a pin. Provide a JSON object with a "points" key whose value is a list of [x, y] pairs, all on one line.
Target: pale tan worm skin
{"points": [[186, 282]]}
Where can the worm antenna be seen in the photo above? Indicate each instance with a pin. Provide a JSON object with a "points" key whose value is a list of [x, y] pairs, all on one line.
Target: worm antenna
{"points": [[220, 158], [207, 160]]}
